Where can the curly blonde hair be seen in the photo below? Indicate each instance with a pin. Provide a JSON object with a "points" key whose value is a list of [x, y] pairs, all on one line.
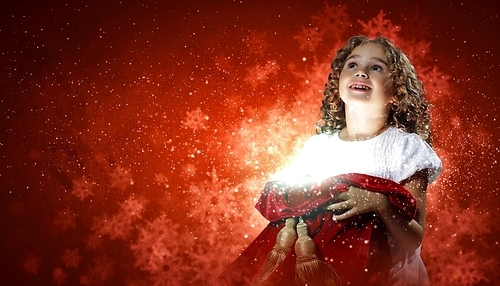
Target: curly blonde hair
{"points": [[409, 111]]}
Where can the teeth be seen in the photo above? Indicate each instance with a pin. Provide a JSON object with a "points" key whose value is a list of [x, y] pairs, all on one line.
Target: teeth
{"points": [[358, 86]]}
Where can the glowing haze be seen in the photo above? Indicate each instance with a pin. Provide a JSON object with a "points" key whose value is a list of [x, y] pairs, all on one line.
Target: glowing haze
{"points": [[136, 137]]}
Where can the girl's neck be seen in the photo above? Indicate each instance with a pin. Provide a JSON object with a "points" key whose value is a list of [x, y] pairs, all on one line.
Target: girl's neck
{"points": [[362, 130]]}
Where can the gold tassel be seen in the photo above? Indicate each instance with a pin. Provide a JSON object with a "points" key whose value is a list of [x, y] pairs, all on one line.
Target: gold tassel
{"points": [[309, 270], [284, 241]]}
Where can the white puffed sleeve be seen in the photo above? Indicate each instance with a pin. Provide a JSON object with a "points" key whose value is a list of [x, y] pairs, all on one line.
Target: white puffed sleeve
{"points": [[417, 155]]}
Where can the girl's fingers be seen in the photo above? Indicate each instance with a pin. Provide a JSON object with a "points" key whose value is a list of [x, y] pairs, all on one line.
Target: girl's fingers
{"points": [[345, 215], [343, 196], [339, 206]]}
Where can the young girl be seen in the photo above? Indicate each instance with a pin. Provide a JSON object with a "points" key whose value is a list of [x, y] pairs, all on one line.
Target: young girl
{"points": [[358, 187]]}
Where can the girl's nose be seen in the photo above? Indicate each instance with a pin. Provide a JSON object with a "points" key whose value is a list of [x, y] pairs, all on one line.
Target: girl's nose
{"points": [[361, 74]]}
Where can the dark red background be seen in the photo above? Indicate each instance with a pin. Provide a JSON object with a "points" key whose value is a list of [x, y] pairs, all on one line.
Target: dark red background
{"points": [[135, 137]]}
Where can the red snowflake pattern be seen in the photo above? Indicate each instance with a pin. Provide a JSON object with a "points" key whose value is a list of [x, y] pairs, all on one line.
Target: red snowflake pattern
{"points": [[32, 263], [257, 43], [65, 219], [326, 30], [380, 25], [141, 164], [59, 276], [120, 225], [99, 272], [133, 206], [258, 74], [195, 120], [121, 178], [82, 188], [161, 179], [162, 249], [71, 258], [189, 170], [93, 241], [466, 269]]}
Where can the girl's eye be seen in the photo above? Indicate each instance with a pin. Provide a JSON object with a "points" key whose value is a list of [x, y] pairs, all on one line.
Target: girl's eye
{"points": [[351, 65], [377, 68]]}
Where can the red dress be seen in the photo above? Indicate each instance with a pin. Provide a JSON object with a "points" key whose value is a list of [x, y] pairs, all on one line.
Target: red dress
{"points": [[357, 248]]}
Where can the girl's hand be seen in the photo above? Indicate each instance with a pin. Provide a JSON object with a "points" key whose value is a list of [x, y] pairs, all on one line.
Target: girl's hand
{"points": [[357, 201]]}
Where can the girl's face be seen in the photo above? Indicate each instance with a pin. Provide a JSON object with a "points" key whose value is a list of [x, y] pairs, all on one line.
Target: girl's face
{"points": [[365, 80]]}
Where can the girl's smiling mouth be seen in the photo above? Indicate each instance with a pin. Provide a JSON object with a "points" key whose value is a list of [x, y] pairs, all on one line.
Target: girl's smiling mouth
{"points": [[359, 86]]}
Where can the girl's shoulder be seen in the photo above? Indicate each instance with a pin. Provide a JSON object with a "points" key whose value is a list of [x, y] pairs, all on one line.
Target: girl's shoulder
{"points": [[408, 140], [402, 138], [392, 137], [413, 154], [397, 132]]}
